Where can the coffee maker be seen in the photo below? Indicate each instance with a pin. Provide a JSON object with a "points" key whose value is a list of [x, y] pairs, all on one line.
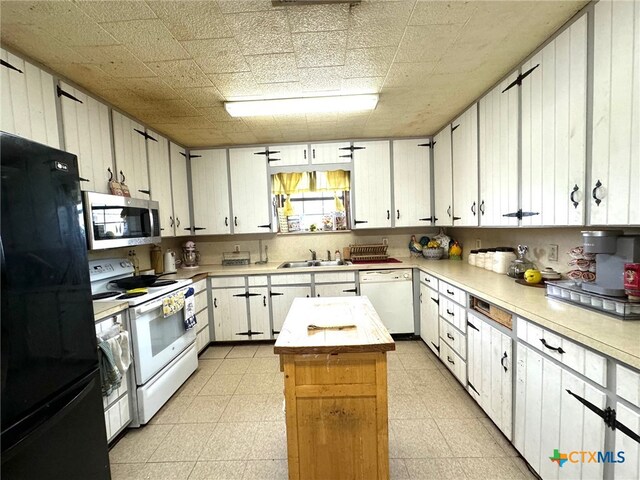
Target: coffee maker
{"points": [[613, 249]]}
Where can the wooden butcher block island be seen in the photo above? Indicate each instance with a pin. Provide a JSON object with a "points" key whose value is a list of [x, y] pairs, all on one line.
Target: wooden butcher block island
{"points": [[335, 384]]}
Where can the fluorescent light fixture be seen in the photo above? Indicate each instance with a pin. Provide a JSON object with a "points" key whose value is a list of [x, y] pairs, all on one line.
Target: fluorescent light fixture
{"points": [[288, 106]]}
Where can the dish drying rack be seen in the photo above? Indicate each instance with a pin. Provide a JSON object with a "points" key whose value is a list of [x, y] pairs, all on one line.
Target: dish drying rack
{"points": [[368, 252], [570, 291], [236, 258]]}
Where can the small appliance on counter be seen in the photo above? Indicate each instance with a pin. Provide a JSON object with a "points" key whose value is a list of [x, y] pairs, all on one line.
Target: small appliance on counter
{"points": [[169, 261], [190, 256]]}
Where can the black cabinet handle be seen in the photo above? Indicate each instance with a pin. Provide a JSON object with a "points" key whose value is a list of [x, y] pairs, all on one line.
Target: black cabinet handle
{"points": [[448, 312], [450, 337], [449, 210], [504, 357], [317, 295], [178, 222], [435, 346], [264, 300], [398, 214], [420, 297], [471, 325], [171, 222], [388, 214], [450, 292], [307, 296], [110, 173], [473, 209], [215, 303], [427, 279], [226, 221], [571, 196], [482, 207], [594, 193], [450, 360], [557, 349], [313, 152], [235, 221], [122, 175]]}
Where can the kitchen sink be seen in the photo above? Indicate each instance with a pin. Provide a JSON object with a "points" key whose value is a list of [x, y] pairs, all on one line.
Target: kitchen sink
{"points": [[313, 263]]}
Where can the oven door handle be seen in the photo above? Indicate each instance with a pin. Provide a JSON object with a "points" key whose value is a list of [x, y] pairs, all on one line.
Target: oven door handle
{"points": [[149, 307]]}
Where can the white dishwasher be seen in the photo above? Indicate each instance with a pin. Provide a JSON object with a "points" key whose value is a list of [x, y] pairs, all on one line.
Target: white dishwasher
{"points": [[391, 293]]}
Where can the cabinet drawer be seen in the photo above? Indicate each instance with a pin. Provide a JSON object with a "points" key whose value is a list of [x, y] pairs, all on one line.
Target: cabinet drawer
{"points": [[200, 286], [454, 363], [429, 280], [628, 384], [453, 313], [577, 357], [335, 277], [452, 337], [201, 301], [203, 319], [289, 279], [202, 339], [224, 282], [454, 293], [257, 280], [117, 417]]}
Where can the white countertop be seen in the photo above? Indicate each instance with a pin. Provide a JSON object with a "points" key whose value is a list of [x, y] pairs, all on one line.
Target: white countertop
{"points": [[611, 336]]}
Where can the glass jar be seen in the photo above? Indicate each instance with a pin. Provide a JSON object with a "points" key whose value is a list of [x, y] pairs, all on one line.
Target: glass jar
{"points": [[471, 258], [480, 257], [502, 259], [520, 264], [488, 259]]}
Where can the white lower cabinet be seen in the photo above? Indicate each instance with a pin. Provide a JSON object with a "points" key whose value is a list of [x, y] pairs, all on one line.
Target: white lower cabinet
{"points": [[630, 468], [549, 418], [282, 297], [429, 329], [489, 378], [259, 313], [230, 314]]}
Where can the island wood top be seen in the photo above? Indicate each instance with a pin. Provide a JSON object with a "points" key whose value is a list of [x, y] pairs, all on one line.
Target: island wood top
{"points": [[369, 334]]}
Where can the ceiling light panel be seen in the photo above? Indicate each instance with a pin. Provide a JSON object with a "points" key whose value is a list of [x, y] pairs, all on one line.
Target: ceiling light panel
{"points": [[289, 106]]}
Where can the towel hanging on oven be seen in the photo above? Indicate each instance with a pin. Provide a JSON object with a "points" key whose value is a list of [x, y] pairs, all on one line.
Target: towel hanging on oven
{"points": [[172, 304], [189, 309]]}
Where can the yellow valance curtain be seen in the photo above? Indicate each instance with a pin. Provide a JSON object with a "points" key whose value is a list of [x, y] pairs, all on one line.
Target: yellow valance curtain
{"points": [[299, 182]]}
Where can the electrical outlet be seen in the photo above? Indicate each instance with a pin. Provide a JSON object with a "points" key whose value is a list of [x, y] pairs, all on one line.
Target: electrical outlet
{"points": [[236, 248], [553, 253], [385, 241], [478, 243]]}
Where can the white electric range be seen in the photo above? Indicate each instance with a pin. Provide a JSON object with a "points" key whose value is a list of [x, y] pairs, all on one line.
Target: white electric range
{"points": [[164, 352]]}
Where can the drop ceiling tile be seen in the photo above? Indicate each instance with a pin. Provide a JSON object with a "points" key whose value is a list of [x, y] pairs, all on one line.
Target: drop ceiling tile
{"points": [[174, 68], [282, 90], [201, 96], [106, 54], [274, 68], [234, 126], [318, 18], [188, 20], [215, 114], [239, 6], [354, 86], [149, 40], [408, 74], [58, 13], [220, 55], [261, 32], [378, 24], [426, 43], [152, 88], [443, 12], [242, 138], [87, 75], [368, 62], [233, 85], [127, 69], [321, 79], [320, 49], [85, 35], [116, 11], [37, 44]]}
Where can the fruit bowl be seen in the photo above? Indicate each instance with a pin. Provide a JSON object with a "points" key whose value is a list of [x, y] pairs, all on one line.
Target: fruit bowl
{"points": [[433, 253]]}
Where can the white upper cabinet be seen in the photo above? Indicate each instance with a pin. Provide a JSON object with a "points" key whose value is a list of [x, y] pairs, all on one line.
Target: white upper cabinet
{"points": [[131, 155], [443, 178], [210, 189], [160, 180], [334, 152], [28, 101], [250, 190], [464, 147], [87, 134], [554, 119], [179, 190], [614, 192], [411, 182], [371, 185], [498, 141], [282, 155]]}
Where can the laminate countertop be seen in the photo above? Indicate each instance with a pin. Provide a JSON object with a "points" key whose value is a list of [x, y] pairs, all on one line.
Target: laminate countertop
{"points": [[333, 325], [614, 337]]}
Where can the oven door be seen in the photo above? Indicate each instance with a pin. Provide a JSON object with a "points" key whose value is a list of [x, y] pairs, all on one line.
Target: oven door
{"points": [[157, 340], [114, 221]]}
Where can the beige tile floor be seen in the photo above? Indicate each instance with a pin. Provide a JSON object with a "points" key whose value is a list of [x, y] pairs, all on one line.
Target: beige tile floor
{"points": [[226, 423]]}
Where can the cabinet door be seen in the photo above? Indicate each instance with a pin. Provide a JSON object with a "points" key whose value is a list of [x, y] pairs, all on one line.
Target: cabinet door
{"points": [[443, 178], [335, 152], [630, 468], [498, 141], [231, 321], [179, 190], [615, 164], [281, 299], [429, 330], [28, 101], [336, 290], [210, 189], [250, 191], [288, 155], [259, 313], [554, 116], [548, 418], [489, 364], [411, 183], [372, 185], [87, 134], [464, 148], [131, 155], [160, 181]]}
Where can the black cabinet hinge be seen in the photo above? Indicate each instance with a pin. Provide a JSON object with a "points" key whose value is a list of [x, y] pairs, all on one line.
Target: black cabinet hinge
{"points": [[435, 346], [519, 78], [453, 128], [520, 214], [428, 144], [273, 294], [9, 66], [194, 156], [351, 290], [62, 93], [247, 333], [183, 154], [356, 222], [198, 228], [346, 156], [268, 225], [428, 219], [471, 325], [83, 179], [146, 192], [145, 134], [470, 385], [436, 300], [352, 148], [275, 332]]}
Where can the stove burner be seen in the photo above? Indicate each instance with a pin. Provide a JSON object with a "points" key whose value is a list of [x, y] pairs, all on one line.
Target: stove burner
{"points": [[163, 283], [99, 296], [130, 295]]}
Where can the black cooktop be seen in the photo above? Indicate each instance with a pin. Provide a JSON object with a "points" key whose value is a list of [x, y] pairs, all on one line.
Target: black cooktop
{"points": [[163, 283], [100, 296]]}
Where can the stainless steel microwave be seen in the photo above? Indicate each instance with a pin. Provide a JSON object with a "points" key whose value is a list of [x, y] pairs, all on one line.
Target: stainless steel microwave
{"points": [[113, 221]]}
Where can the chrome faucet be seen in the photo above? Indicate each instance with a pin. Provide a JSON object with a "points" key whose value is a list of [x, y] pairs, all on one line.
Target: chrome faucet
{"points": [[314, 256]]}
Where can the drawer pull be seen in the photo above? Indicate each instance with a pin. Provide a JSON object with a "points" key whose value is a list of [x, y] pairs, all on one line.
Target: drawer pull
{"points": [[557, 349], [426, 279], [215, 303], [450, 360], [450, 292], [451, 337], [504, 357], [448, 312]]}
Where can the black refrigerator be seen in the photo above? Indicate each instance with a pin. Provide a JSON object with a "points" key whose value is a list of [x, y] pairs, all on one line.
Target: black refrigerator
{"points": [[51, 406]]}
